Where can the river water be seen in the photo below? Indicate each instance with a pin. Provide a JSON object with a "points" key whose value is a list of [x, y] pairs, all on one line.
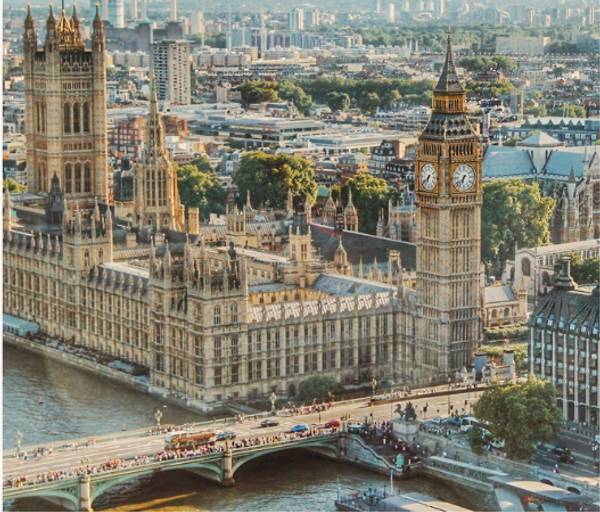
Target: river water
{"points": [[47, 401]]}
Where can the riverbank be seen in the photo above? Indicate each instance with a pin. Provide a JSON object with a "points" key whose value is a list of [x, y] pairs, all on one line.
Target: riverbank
{"points": [[140, 383]]}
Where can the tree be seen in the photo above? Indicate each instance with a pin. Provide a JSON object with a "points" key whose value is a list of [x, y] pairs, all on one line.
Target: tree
{"points": [[337, 101], [584, 271], [12, 185], [201, 187], [268, 177], [289, 91], [369, 195], [319, 387], [258, 91], [369, 102], [513, 213], [522, 414], [476, 440]]}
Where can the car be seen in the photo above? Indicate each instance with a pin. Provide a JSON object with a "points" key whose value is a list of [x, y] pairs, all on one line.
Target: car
{"points": [[268, 423], [497, 443], [566, 458], [333, 424], [225, 435], [301, 427], [453, 421], [355, 428]]}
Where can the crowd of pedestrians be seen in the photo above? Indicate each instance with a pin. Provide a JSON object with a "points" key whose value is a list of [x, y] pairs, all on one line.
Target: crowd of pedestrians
{"points": [[118, 463]]}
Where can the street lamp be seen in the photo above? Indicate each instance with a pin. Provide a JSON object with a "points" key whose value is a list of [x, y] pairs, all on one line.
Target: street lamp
{"points": [[158, 414], [449, 382], [19, 436], [273, 399]]}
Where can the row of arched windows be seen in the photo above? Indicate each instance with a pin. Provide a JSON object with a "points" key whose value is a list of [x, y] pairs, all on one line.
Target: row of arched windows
{"points": [[76, 117], [78, 178]]}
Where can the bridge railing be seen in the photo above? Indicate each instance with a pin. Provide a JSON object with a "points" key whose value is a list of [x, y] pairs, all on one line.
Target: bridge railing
{"points": [[154, 464]]}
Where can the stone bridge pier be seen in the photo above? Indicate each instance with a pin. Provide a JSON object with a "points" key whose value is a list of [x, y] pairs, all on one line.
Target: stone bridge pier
{"points": [[85, 494], [227, 468]]}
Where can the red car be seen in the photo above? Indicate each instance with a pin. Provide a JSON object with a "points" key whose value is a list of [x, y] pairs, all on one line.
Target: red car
{"points": [[333, 424]]}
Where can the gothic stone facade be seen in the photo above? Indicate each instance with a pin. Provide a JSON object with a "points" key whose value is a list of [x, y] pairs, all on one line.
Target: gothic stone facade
{"points": [[65, 106]]}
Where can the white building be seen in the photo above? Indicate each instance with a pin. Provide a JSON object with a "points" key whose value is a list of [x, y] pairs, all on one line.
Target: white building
{"points": [[171, 66], [116, 13], [296, 19], [390, 13], [524, 45], [533, 268]]}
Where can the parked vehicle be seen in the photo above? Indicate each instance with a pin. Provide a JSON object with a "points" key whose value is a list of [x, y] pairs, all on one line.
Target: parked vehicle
{"points": [[301, 427], [564, 455], [268, 423]]}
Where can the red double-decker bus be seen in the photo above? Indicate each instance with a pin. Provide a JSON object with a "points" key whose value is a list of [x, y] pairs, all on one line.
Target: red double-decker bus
{"points": [[187, 440]]}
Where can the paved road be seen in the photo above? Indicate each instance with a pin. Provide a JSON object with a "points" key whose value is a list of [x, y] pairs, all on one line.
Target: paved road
{"points": [[123, 446]]}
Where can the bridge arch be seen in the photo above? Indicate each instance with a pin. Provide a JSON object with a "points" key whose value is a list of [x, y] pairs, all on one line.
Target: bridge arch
{"points": [[325, 448], [64, 498], [205, 470]]}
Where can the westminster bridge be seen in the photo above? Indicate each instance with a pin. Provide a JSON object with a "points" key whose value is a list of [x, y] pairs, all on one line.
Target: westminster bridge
{"points": [[75, 473]]}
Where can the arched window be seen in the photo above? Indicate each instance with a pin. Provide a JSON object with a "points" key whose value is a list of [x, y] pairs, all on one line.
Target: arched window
{"points": [[67, 118], [86, 117], [526, 267], [217, 315], [77, 178], [68, 179], [506, 312], [494, 313], [76, 118], [87, 177]]}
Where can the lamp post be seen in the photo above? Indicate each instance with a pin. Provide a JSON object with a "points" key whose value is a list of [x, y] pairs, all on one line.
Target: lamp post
{"points": [[449, 382], [273, 399], [19, 436], [373, 387], [158, 414]]}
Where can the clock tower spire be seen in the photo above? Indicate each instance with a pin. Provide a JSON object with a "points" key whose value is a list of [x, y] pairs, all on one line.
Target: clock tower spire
{"points": [[449, 196]]}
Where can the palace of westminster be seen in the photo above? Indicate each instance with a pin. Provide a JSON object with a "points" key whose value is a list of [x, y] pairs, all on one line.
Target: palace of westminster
{"points": [[250, 307]]}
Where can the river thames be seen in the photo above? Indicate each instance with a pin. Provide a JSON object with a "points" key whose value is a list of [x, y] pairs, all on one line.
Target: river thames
{"points": [[47, 401]]}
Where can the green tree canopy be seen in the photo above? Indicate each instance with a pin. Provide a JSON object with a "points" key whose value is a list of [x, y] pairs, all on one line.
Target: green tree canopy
{"points": [[319, 387], [513, 212], [200, 187], [12, 185], [522, 414], [290, 91], [369, 195], [337, 101], [268, 178], [258, 91], [584, 271]]}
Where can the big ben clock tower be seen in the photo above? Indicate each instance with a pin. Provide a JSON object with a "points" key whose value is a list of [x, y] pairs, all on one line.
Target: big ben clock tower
{"points": [[449, 195]]}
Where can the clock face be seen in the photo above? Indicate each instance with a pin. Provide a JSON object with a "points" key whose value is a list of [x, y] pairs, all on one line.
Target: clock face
{"points": [[464, 177], [428, 177]]}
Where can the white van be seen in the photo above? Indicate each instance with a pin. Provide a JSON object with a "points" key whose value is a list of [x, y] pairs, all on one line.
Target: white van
{"points": [[467, 423]]}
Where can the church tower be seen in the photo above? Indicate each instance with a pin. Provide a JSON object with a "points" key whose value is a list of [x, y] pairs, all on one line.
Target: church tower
{"points": [[156, 193], [449, 196], [65, 108]]}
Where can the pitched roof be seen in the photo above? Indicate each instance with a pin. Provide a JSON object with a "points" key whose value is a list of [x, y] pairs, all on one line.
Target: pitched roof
{"points": [[506, 161], [449, 81], [540, 139], [361, 246]]}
